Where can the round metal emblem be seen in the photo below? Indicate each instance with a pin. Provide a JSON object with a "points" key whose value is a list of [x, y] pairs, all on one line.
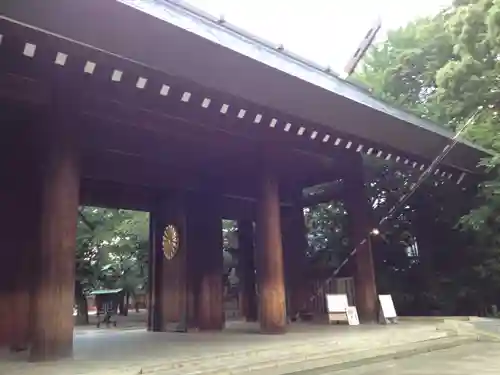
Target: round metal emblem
{"points": [[170, 242]]}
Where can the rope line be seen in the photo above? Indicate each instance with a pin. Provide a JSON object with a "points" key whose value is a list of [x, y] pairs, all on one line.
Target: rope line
{"points": [[404, 198]]}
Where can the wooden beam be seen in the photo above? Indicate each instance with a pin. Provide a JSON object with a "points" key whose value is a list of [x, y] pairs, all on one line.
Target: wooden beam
{"points": [[131, 170], [328, 193], [142, 198], [116, 195]]}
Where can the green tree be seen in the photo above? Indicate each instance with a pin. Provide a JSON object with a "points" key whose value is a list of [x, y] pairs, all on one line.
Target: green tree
{"points": [[112, 252], [402, 70], [327, 234], [444, 68]]}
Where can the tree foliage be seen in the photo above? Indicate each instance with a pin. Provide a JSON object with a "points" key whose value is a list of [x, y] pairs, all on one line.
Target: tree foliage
{"points": [[402, 70], [327, 234], [445, 68], [111, 252]]}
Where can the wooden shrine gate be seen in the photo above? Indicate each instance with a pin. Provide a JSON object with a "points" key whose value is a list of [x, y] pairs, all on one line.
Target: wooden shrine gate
{"points": [[192, 121]]}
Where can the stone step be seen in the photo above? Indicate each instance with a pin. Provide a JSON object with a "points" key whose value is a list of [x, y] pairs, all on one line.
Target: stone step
{"points": [[294, 351], [337, 362], [235, 352], [333, 360]]}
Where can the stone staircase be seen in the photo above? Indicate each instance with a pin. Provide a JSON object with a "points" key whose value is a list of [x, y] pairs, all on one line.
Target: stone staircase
{"points": [[237, 352], [333, 351]]}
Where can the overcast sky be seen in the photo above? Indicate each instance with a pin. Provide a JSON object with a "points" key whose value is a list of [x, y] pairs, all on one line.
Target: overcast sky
{"points": [[326, 31]]}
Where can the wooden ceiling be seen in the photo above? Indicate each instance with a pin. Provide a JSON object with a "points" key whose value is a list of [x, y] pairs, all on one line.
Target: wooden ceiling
{"points": [[139, 126], [208, 60]]}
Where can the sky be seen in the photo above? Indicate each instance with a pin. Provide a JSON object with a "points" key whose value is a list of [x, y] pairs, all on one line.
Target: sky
{"points": [[325, 31]]}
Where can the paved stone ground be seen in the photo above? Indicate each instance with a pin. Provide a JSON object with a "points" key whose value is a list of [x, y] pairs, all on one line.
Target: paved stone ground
{"points": [[487, 324], [477, 358], [128, 351], [238, 336]]}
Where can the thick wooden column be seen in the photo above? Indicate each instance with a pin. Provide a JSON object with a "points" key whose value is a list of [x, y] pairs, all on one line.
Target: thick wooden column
{"points": [[53, 294], [19, 220], [169, 278], [26, 219], [360, 225], [206, 260], [269, 257], [248, 296], [294, 250], [187, 290], [154, 321]]}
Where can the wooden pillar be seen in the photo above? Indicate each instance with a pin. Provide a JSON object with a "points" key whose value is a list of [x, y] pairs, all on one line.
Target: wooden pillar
{"points": [[53, 294], [269, 257], [169, 278], [206, 260], [19, 220], [426, 230], [152, 277], [187, 289], [360, 225], [294, 250], [248, 296], [27, 234]]}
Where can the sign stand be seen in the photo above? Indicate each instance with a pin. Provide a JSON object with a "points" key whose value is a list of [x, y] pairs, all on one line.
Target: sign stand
{"points": [[388, 313], [337, 305], [352, 316]]}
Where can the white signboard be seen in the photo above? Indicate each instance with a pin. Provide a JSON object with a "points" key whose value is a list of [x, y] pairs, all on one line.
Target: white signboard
{"points": [[336, 303], [352, 316], [387, 306]]}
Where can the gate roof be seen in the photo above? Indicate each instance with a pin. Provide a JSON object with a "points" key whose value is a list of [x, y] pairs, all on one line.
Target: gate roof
{"points": [[278, 90]]}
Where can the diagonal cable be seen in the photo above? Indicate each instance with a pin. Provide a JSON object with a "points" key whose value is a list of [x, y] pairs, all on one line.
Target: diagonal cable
{"points": [[404, 198]]}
